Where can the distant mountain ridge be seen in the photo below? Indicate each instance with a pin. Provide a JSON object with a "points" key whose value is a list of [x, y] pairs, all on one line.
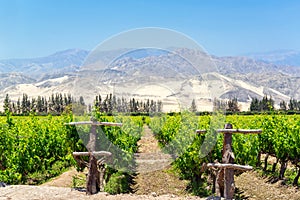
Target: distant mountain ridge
{"points": [[279, 57], [243, 77], [71, 59], [55, 64]]}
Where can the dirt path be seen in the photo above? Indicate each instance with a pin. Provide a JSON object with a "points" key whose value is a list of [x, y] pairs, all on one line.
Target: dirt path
{"points": [[154, 176], [25, 192], [64, 180], [254, 187]]}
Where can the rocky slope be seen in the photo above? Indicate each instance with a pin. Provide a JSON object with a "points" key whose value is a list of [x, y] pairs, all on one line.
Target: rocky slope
{"points": [[152, 74]]}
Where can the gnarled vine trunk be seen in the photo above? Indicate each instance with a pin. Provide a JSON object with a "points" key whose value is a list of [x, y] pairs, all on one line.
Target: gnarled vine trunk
{"points": [[283, 167], [274, 165], [92, 183], [258, 159], [296, 179], [266, 162]]}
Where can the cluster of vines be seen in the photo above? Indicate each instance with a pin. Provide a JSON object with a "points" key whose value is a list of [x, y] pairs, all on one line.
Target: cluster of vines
{"points": [[280, 138], [170, 130], [119, 174], [32, 148]]}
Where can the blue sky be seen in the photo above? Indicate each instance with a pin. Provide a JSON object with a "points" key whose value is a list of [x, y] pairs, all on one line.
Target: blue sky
{"points": [[33, 28]]}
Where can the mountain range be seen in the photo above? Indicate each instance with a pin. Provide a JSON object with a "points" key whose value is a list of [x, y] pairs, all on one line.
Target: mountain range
{"points": [[279, 57], [157, 75]]}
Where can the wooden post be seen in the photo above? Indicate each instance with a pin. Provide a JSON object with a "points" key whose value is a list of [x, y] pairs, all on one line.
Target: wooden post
{"points": [[225, 182], [231, 166], [225, 177], [92, 183], [95, 177], [228, 157], [91, 146]]}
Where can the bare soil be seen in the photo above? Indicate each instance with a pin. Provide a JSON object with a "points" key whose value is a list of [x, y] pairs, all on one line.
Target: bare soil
{"points": [[251, 186], [25, 192], [154, 174], [64, 180]]}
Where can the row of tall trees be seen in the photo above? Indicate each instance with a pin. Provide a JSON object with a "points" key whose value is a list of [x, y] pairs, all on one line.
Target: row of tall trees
{"points": [[230, 106], [292, 105], [55, 104], [266, 104], [111, 104], [58, 103]]}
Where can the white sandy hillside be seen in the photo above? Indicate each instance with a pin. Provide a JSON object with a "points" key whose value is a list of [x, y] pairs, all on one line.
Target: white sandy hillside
{"points": [[43, 88], [59, 80], [238, 83]]}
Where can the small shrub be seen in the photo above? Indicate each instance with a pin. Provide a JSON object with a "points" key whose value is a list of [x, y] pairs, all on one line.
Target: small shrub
{"points": [[118, 183]]}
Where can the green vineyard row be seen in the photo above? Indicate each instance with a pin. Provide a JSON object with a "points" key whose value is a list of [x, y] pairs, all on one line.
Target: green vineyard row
{"points": [[280, 138], [34, 148]]}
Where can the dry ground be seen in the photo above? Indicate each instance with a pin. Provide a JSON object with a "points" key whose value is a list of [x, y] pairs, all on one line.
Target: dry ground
{"points": [[154, 175], [253, 187]]}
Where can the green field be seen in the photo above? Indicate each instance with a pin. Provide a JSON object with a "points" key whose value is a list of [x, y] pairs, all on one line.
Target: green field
{"points": [[280, 138], [34, 149]]}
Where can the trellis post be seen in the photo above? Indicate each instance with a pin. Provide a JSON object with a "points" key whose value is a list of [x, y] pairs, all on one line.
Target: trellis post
{"points": [[95, 177], [225, 177]]}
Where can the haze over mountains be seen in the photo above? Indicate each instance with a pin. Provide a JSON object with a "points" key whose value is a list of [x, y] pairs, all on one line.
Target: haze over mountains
{"points": [[279, 57], [276, 74]]}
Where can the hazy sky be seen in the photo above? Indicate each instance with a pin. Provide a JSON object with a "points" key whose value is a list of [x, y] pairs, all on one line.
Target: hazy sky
{"points": [[33, 28]]}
